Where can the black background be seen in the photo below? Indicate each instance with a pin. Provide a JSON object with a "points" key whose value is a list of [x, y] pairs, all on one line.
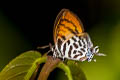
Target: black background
{"points": [[36, 20]]}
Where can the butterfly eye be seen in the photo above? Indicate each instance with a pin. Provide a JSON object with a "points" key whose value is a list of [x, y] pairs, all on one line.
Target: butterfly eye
{"points": [[96, 49]]}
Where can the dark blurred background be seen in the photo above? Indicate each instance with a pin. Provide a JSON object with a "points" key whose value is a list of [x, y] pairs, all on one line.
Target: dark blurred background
{"points": [[23, 27]]}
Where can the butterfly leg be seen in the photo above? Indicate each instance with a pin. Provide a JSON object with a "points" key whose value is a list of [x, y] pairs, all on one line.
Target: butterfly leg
{"points": [[63, 58], [46, 46], [53, 50], [43, 47], [51, 47], [54, 55]]}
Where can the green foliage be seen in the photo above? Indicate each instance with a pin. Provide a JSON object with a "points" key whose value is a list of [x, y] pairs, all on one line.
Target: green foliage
{"points": [[72, 70], [22, 67], [66, 69], [77, 73]]}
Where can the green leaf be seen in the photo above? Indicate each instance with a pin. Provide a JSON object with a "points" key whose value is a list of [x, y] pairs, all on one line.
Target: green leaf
{"points": [[22, 67], [76, 71], [66, 69], [72, 70]]}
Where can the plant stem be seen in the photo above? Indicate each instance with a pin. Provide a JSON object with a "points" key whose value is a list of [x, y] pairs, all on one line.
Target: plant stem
{"points": [[48, 67]]}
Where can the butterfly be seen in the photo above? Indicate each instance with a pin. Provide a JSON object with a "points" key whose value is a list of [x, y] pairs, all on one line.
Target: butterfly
{"points": [[70, 40]]}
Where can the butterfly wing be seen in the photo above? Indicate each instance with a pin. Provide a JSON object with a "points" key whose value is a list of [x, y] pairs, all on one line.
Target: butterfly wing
{"points": [[67, 24]]}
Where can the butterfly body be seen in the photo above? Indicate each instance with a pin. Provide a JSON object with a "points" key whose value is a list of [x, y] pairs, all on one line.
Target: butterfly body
{"points": [[70, 40], [75, 48]]}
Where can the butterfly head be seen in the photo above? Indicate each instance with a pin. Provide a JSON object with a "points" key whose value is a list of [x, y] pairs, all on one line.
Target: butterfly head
{"points": [[91, 52]]}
